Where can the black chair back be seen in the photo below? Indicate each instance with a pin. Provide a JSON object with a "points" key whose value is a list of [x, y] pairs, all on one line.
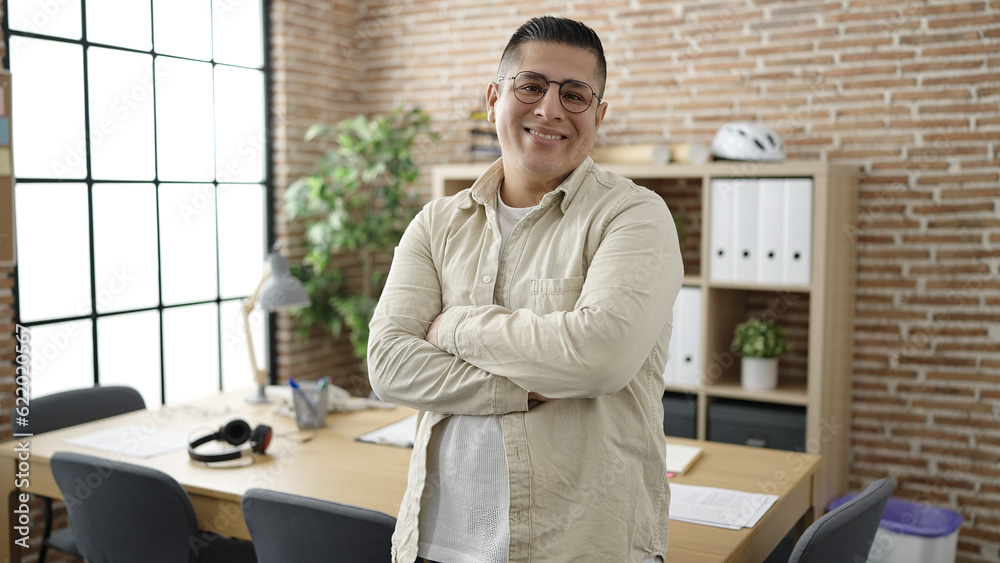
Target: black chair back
{"points": [[123, 512], [286, 527], [68, 408], [78, 406], [847, 532]]}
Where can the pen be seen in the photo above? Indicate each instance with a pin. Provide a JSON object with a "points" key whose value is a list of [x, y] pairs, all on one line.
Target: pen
{"points": [[298, 391], [320, 386]]}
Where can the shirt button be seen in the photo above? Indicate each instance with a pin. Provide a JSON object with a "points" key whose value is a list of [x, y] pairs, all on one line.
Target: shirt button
{"points": [[487, 279]]}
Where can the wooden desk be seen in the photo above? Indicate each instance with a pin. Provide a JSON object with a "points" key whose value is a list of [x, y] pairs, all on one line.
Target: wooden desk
{"points": [[790, 475], [335, 466]]}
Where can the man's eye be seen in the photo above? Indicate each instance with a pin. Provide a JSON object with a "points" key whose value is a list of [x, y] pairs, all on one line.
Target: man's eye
{"points": [[532, 88]]}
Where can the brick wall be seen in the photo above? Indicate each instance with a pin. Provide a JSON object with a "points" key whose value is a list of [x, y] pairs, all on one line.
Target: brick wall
{"points": [[909, 91], [315, 76]]}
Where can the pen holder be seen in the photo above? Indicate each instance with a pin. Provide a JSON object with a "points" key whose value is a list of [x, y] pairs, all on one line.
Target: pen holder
{"points": [[310, 408]]}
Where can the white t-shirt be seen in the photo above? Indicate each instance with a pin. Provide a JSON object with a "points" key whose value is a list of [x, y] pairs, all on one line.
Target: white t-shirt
{"points": [[466, 500]]}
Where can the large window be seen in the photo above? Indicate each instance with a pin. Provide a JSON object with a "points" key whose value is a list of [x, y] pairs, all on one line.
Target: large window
{"points": [[139, 152]]}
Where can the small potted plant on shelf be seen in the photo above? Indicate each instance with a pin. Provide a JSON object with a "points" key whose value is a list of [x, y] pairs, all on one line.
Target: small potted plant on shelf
{"points": [[759, 343]]}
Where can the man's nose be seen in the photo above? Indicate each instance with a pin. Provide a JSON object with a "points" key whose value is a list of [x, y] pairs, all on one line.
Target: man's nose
{"points": [[550, 106]]}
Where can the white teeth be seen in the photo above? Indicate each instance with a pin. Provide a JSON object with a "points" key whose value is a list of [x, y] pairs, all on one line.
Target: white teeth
{"points": [[549, 137]]}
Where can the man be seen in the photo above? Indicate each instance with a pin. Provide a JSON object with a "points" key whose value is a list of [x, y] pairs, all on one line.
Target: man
{"points": [[528, 319]]}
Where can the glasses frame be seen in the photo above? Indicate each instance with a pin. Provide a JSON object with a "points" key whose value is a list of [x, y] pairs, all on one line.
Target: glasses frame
{"points": [[593, 94]]}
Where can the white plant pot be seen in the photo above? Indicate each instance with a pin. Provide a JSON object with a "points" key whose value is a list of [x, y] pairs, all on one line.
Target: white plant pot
{"points": [[759, 374]]}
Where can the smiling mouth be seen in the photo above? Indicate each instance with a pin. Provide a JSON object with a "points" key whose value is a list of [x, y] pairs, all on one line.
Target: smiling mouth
{"points": [[546, 137]]}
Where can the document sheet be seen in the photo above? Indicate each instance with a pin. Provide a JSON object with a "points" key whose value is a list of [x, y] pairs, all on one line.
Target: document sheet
{"points": [[713, 506], [133, 440], [400, 433]]}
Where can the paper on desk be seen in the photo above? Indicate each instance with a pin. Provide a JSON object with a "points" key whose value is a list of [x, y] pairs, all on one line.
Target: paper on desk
{"points": [[133, 440], [713, 506], [400, 433]]}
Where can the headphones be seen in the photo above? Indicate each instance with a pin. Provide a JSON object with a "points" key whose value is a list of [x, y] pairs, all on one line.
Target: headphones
{"points": [[235, 432]]}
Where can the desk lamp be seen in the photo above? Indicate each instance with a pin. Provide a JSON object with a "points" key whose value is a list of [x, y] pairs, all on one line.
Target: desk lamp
{"points": [[278, 289]]}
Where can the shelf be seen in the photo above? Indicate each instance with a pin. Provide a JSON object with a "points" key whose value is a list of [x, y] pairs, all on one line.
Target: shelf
{"points": [[673, 388], [692, 281], [790, 391], [759, 287]]}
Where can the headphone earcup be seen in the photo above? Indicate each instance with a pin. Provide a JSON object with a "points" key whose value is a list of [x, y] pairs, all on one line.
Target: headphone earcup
{"points": [[260, 438], [235, 432]]}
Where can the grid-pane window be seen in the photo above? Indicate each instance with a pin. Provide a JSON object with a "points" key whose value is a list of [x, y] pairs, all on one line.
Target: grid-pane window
{"points": [[140, 163]]}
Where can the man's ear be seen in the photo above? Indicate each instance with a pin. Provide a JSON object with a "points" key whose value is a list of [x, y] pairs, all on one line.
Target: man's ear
{"points": [[492, 95], [601, 110]]}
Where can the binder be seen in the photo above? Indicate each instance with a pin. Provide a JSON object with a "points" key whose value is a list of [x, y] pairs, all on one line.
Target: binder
{"points": [[771, 221], [689, 344], [683, 366], [761, 230], [798, 231], [745, 242], [721, 205]]}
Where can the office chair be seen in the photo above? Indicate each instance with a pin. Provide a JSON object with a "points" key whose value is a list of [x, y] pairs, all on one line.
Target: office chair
{"points": [[845, 533], [69, 408], [286, 528], [125, 512]]}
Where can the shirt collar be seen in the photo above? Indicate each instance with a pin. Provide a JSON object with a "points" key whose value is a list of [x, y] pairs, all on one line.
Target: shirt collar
{"points": [[484, 190]]}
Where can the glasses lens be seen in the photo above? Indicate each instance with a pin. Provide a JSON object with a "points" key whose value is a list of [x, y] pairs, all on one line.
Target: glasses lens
{"points": [[576, 96], [529, 87]]}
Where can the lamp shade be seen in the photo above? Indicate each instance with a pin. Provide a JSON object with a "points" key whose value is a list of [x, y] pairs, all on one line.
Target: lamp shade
{"points": [[282, 289]]}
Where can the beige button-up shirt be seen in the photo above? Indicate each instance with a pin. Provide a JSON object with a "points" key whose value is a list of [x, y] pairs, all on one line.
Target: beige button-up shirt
{"points": [[577, 309]]}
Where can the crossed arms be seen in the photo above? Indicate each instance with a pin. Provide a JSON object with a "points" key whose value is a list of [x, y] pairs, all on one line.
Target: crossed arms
{"points": [[487, 359]]}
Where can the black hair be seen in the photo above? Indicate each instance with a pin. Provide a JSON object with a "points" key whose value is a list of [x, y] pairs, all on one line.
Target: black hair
{"points": [[553, 29]]}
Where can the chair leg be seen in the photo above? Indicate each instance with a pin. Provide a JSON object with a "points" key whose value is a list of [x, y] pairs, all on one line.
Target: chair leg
{"points": [[47, 531]]}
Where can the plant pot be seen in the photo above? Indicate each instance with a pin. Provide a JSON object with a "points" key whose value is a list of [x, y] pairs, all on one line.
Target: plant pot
{"points": [[759, 374]]}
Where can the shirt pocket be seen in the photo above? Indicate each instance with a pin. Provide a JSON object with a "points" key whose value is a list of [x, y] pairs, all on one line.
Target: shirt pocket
{"points": [[555, 294]]}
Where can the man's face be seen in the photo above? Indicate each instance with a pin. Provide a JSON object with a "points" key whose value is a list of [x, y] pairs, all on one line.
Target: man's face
{"points": [[542, 142]]}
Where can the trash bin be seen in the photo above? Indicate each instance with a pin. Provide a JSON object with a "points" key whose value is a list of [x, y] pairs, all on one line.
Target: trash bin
{"points": [[913, 533]]}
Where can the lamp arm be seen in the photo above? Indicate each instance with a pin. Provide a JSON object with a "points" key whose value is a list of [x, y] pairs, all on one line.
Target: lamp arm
{"points": [[260, 376]]}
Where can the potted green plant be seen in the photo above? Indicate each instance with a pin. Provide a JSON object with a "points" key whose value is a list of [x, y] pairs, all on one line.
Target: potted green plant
{"points": [[759, 343], [359, 200]]}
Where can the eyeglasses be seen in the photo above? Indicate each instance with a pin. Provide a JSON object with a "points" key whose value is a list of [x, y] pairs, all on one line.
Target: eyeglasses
{"points": [[574, 95]]}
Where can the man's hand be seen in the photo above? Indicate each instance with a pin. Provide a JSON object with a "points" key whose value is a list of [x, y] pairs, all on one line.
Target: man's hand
{"points": [[432, 331]]}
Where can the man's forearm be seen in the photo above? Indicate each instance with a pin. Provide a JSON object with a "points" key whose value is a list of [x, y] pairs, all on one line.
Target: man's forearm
{"points": [[404, 367], [412, 372]]}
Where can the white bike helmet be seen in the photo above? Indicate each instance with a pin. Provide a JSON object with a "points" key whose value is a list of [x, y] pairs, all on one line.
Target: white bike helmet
{"points": [[747, 141]]}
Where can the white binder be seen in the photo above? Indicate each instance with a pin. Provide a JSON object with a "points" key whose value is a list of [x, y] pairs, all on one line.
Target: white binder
{"points": [[771, 222], [689, 343], [721, 261], [684, 354], [745, 242], [798, 231]]}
